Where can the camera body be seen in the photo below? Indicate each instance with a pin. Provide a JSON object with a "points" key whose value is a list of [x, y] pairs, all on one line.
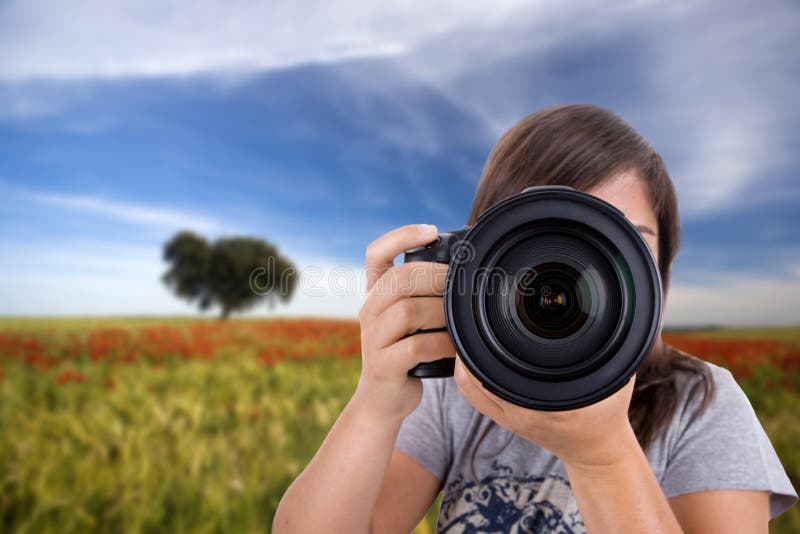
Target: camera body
{"points": [[552, 298]]}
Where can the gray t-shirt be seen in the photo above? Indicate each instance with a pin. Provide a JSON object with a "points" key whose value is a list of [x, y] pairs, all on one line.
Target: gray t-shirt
{"points": [[524, 488]]}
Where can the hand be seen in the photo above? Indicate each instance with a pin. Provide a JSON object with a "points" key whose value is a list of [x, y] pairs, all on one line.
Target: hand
{"points": [[401, 300], [593, 436]]}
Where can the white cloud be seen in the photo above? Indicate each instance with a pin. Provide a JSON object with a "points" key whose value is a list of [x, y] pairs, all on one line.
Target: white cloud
{"points": [[150, 215], [718, 94], [99, 39], [56, 279], [722, 100], [287, 231], [735, 300], [97, 277], [97, 257], [725, 76], [20, 102]]}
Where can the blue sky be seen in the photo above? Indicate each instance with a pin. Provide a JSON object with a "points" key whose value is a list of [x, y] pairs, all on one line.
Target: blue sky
{"points": [[319, 127]]}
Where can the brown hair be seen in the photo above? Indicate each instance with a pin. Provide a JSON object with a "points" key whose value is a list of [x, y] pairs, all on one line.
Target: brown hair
{"points": [[581, 146]]}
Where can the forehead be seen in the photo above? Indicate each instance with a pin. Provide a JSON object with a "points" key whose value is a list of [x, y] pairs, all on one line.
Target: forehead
{"points": [[629, 194]]}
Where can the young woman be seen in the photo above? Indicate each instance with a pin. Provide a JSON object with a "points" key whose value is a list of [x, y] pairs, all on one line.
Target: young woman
{"points": [[678, 449]]}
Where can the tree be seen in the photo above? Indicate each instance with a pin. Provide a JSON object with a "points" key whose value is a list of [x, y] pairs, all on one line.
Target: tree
{"points": [[233, 273]]}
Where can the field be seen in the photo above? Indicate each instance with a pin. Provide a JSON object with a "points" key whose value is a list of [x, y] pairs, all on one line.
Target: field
{"points": [[170, 425]]}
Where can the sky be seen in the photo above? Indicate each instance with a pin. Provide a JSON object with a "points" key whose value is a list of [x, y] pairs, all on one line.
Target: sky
{"points": [[320, 126]]}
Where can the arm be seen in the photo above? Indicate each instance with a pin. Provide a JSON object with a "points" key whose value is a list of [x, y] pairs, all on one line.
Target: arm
{"points": [[343, 484], [340, 486], [722, 511], [624, 496], [406, 495], [611, 479], [358, 482]]}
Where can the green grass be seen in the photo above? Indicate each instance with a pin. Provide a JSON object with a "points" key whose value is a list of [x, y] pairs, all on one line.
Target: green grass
{"points": [[203, 446], [193, 447]]}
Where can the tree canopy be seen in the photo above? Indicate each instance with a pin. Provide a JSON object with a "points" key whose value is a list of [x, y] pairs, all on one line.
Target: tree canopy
{"points": [[233, 273]]}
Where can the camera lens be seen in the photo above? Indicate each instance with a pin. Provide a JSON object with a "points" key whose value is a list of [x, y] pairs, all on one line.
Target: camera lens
{"points": [[557, 303], [551, 300]]}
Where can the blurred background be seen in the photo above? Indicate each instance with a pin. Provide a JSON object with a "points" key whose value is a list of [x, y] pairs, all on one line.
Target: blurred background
{"points": [[242, 131]]}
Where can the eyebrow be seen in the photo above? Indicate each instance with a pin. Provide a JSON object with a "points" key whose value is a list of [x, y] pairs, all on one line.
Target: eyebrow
{"points": [[646, 229]]}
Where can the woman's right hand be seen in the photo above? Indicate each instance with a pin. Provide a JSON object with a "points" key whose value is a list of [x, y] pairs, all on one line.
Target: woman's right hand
{"points": [[358, 450], [400, 301]]}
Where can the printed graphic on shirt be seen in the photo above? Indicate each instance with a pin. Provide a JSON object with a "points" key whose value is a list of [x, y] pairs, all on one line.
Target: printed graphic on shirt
{"points": [[505, 502]]}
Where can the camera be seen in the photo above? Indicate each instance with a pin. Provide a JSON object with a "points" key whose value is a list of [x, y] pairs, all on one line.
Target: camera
{"points": [[552, 298]]}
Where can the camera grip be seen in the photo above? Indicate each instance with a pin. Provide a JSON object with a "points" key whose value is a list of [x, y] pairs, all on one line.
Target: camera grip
{"points": [[438, 250], [436, 369]]}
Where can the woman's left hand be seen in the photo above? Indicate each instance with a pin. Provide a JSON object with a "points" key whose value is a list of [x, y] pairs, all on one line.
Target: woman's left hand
{"points": [[593, 436]]}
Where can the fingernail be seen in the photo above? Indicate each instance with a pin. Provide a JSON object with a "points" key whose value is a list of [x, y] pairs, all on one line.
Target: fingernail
{"points": [[427, 229]]}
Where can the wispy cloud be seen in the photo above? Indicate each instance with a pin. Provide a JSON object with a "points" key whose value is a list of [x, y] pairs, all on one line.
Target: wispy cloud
{"points": [[45, 39], [722, 72], [150, 215], [715, 95], [22, 102], [707, 82]]}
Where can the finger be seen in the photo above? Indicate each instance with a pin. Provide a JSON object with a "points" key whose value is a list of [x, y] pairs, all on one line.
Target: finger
{"points": [[410, 351], [415, 279], [381, 252], [405, 317], [475, 394]]}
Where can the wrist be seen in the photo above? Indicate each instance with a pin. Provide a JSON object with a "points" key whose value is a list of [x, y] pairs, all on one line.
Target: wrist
{"points": [[618, 448], [369, 414]]}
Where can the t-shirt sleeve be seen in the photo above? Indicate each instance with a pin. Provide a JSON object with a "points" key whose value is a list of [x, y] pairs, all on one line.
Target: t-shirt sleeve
{"points": [[423, 434], [725, 447]]}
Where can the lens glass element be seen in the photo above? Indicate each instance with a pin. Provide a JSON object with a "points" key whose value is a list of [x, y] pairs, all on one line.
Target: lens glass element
{"points": [[551, 300]]}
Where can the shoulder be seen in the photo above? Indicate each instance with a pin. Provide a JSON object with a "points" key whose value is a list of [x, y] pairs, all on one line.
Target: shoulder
{"points": [[711, 390], [711, 410], [720, 444], [720, 376]]}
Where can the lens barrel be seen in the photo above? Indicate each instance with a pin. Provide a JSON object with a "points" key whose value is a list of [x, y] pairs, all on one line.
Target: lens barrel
{"points": [[553, 299]]}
